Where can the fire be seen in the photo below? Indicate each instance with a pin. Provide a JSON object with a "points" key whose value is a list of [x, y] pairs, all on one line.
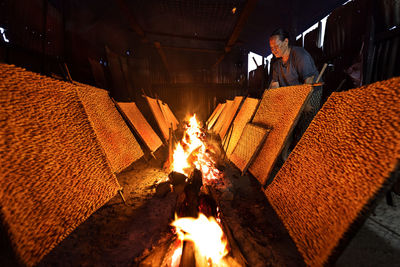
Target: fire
{"points": [[180, 159], [176, 257], [205, 233], [193, 147]]}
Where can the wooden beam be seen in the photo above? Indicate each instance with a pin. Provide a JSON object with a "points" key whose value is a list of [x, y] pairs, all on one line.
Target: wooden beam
{"points": [[190, 37], [131, 18], [221, 57], [244, 15], [192, 49], [248, 8], [160, 50]]}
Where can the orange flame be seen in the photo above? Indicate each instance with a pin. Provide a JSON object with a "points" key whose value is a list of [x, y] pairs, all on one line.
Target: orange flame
{"points": [[193, 146], [176, 257], [180, 159], [205, 233]]}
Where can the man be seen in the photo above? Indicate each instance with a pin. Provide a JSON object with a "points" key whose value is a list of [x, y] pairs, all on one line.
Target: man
{"points": [[293, 65]]}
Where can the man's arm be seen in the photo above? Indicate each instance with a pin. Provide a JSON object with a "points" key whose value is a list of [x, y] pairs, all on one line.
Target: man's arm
{"points": [[274, 85], [305, 66]]}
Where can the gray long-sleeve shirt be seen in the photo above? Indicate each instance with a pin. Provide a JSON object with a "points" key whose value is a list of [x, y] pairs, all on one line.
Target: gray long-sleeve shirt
{"points": [[296, 70]]}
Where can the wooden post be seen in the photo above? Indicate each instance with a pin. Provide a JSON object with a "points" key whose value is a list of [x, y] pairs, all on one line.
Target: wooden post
{"points": [[122, 196], [68, 74], [322, 72]]}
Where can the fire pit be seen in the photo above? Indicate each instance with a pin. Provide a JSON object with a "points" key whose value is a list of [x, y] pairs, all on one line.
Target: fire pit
{"points": [[200, 236], [345, 160], [140, 233]]}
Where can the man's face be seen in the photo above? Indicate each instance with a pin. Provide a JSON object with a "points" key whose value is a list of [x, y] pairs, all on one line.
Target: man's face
{"points": [[278, 47]]}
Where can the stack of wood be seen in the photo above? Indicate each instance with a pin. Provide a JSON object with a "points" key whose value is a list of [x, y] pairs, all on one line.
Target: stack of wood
{"points": [[192, 198]]}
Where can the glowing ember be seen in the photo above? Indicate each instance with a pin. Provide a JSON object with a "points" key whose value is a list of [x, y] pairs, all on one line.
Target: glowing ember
{"points": [[194, 148], [205, 233]]}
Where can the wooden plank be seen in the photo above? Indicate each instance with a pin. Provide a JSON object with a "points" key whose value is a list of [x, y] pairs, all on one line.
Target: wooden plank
{"points": [[168, 115], [213, 113], [159, 117], [249, 145], [214, 119], [230, 115], [140, 125], [171, 115], [55, 173], [280, 110], [242, 118], [339, 170], [120, 145], [221, 119]]}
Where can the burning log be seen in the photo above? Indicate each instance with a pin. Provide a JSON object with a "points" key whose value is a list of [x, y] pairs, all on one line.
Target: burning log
{"points": [[165, 254], [177, 178], [187, 206], [234, 248], [194, 201], [204, 239], [188, 258], [188, 202], [163, 189]]}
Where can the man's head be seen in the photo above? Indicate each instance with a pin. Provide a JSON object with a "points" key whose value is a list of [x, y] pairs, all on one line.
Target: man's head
{"points": [[279, 42]]}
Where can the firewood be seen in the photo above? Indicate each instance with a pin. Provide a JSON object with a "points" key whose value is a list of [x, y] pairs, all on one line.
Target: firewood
{"points": [[163, 189], [177, 178], [234, 248], [188, 258], [157, 256]]}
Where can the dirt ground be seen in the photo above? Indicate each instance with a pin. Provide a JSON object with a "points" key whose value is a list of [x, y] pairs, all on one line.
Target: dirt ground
{"points": [[119, 234]]}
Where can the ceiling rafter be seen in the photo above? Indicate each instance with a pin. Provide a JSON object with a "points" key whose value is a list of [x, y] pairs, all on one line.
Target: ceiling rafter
{"points": [[244, 15], [232, 40], [138, 29], [197, 38], [160, 51], [193, 49], [131, 18]]}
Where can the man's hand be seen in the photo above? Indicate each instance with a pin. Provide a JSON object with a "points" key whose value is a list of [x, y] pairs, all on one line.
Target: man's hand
{"points": [[309, 80], [308, 107], [274, 85]]}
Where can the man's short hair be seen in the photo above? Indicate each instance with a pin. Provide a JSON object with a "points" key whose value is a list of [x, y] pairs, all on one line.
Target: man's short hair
{"points": [[281, 33]]}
